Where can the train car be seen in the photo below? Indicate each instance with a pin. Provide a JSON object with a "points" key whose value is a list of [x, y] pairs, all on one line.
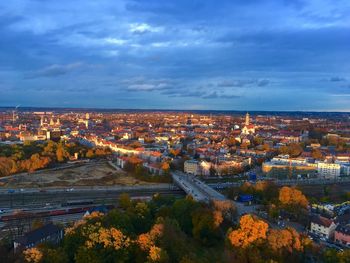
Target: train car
{"points": [[75, 210], [58, 212], [77, 202], [16, 216]]}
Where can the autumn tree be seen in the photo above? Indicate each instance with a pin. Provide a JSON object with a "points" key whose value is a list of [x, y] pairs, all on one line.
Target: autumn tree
{"points": [[227, 209], [316, 154], [285, 239], [61, 153], [289, 196], [90, 154], [32, 255], [175, 152], [250, 230]]}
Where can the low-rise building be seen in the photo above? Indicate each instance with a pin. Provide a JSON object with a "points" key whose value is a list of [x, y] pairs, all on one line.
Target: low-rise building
{"points": [[49, 233], [328, 170], [342, 234], [191, 167], [322, 226]]}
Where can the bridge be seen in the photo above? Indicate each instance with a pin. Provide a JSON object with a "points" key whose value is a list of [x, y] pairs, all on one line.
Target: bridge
{"points": [[203, 193]]}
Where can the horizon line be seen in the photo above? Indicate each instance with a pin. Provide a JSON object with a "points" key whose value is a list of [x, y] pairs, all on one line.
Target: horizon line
{"points": [[178, 110]]}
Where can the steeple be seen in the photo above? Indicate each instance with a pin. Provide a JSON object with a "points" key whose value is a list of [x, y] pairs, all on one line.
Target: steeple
{"points": [[247, 121]]}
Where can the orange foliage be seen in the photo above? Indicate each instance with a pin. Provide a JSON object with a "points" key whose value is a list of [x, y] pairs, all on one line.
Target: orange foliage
{"points": [[250, 230], [285, 238], [292, 196], [145, 241], [134, 160], [155, 253], [32, 255], [165, 166], [157, 231], [227, 208], [175, 152], [217, 215]]}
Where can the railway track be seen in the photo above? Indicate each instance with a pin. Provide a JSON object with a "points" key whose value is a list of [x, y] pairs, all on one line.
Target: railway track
{"points": [[40, 200]]}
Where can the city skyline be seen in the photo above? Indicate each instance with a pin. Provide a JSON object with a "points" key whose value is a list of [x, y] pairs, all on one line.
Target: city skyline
{"points": [[198, 55]]}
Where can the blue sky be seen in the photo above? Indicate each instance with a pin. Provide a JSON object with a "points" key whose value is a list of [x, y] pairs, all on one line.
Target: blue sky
{"points": [[183, 54]]}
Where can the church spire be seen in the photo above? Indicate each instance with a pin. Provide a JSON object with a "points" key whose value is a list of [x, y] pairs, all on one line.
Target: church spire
{"points": [[247, 120]]}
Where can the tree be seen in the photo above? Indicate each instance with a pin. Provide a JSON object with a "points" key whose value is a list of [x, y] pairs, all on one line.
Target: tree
{"points": [[287, 239], [316, 154], [175, 152], [55, 256], [32, 255], [292, 197], [61, 153], [124, 201], [205, 226], [295, 149], [250, 230], [227, 209], [182, 210], [90, 154]]}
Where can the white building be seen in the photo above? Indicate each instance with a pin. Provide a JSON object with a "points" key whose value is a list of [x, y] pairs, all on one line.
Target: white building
{"points": [[248, 128], [328, 170], [191, 167], [322, 227]]}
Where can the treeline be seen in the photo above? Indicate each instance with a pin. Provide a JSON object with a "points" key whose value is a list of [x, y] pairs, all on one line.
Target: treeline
{"points": [[32, 156], [287, 201], [134, 166], [169, 230]]}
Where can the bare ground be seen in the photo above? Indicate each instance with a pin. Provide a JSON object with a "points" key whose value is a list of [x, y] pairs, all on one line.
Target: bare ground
{"points": [[91, 174]]}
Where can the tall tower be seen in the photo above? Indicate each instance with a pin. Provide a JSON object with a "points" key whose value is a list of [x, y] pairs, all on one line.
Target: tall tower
{"points": [[42, 121], [247, 121], [87, 116]]}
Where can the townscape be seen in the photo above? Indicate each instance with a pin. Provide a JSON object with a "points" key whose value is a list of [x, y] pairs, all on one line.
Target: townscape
{"points": [[174, 131], [138, 178]]}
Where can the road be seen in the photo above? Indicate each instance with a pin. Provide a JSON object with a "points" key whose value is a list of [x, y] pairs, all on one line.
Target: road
{"points": [[202, 192]]}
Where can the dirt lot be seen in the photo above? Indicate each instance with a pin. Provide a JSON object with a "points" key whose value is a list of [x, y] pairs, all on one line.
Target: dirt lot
{"points": [[92, 174]]}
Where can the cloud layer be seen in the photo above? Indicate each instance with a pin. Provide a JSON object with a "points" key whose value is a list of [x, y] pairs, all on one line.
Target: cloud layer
{"points": [[233, 55]]}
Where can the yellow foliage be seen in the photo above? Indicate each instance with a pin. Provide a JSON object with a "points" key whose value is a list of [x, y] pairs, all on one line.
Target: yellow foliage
{"points": [[155, 253], [32, 255], [250, 230], [94, 214], [111, 237]]}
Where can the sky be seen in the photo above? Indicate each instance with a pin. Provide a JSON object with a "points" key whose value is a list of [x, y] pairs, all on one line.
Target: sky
{"points": [[179, 54]]}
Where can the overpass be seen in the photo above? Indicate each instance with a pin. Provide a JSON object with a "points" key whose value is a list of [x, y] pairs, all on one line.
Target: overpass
{"points": [[203, 193]]}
